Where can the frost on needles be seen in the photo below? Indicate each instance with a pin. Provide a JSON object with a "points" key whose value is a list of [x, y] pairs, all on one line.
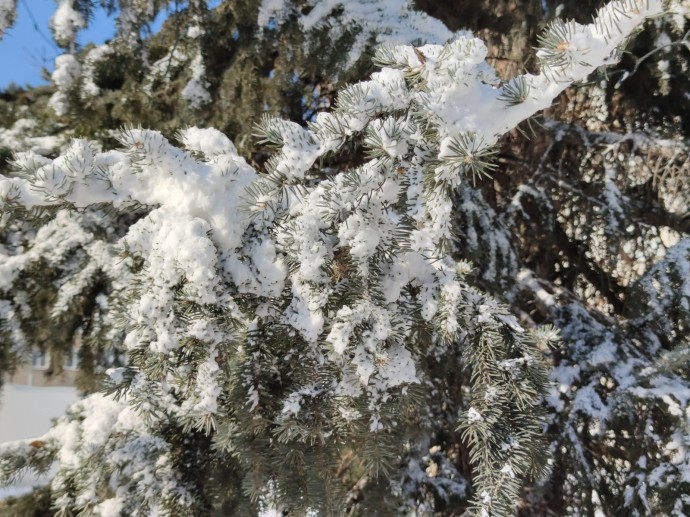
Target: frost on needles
{"points": [[281, 319]]}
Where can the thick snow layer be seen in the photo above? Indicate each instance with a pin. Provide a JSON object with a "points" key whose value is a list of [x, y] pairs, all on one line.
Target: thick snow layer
{"points": [[66, 22], [67, 72], [94, 56], [21, 137], [195, 91]]}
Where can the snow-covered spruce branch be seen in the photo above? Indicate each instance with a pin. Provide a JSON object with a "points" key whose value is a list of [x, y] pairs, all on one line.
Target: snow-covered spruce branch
{"points": [[631, 380], [287, 314]]}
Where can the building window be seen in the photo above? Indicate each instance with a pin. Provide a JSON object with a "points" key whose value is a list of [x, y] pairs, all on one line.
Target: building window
{"points": [[39, 359], [71, 359]]}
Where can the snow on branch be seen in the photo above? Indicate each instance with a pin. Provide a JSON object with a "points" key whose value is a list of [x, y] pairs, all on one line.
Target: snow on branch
{"points": [[296, 305]]}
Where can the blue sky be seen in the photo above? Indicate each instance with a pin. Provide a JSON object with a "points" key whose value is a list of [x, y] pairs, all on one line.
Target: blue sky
{"points": [[25, 50]]}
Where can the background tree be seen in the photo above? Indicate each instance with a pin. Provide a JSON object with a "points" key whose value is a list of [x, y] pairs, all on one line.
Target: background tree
{"points": [[281, 355]]}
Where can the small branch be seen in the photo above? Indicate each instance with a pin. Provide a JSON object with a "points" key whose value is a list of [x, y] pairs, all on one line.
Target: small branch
{"points": [[593, 273], [683, 42]]}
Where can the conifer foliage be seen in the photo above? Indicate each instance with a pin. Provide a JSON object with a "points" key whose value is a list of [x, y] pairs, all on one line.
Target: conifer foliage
{"points": [[297, 332]]}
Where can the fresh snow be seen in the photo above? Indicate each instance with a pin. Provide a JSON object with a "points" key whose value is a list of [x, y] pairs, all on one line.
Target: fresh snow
{"points": [[231, 236]]}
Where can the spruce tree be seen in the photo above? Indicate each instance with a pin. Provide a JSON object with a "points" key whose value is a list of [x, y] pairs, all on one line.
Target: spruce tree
{"points": [[420, 293]]}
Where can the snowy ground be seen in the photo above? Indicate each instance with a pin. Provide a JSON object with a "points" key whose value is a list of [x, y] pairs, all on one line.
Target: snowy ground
{"points": [[26, 412]]}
